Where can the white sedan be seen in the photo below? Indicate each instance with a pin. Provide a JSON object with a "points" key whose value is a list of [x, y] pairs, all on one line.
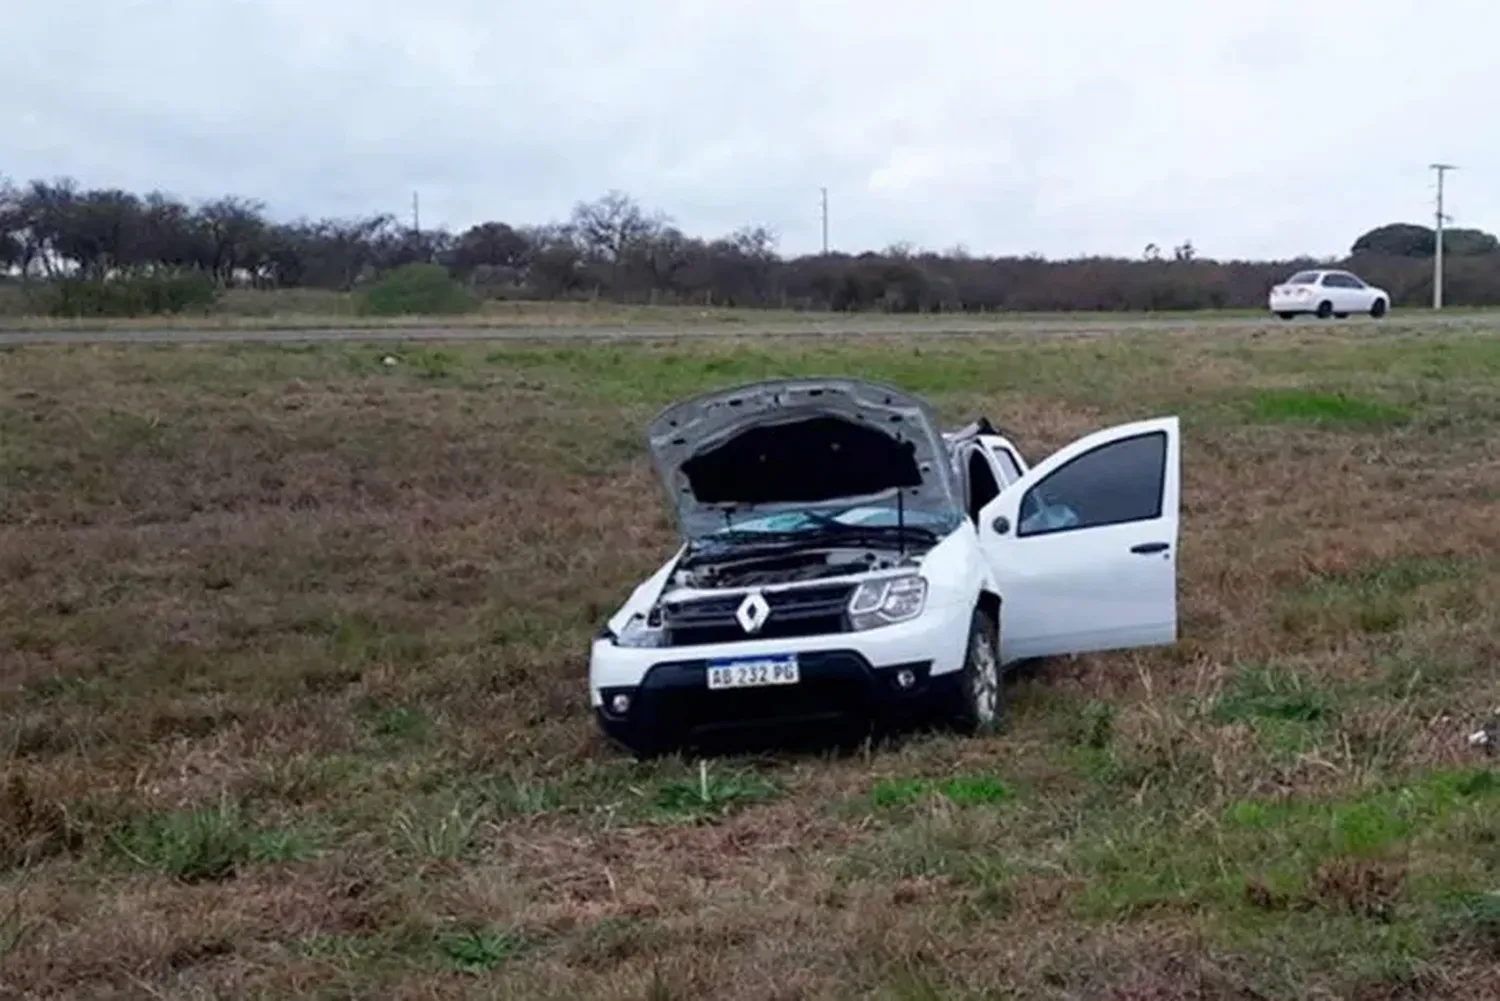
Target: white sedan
{"points": [[1327, 293], [842, 557]]}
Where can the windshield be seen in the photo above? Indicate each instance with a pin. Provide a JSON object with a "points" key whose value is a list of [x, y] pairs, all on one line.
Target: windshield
{"points": [[781, 525], [1303, 278]]}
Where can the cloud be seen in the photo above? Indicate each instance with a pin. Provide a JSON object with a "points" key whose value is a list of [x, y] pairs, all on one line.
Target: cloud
{"points": [[1073, 126]]}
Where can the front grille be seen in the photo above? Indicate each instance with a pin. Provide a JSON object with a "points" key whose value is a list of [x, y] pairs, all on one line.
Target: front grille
{"points": [[803, 611]]}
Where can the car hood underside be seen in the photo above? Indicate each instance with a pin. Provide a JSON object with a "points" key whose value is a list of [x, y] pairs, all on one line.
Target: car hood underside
{"points": [[794, 444]]}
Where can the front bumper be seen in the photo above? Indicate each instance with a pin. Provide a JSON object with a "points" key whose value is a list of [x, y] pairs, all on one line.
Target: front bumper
{"points": [[842, 676], [836, 688]]}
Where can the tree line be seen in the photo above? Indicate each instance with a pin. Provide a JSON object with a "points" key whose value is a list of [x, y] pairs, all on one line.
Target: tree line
{"points": [[614, 248]]}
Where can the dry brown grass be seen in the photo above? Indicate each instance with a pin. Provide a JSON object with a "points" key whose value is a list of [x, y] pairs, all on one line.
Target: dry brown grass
{"points": [[294, 653], [318, 308]]}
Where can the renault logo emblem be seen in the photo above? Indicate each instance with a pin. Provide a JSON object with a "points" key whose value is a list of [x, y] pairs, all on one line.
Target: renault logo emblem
{"points": [[753, 612]]}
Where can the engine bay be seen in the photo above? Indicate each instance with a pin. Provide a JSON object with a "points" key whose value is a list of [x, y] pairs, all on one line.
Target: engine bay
{"points": [[726, 569]]}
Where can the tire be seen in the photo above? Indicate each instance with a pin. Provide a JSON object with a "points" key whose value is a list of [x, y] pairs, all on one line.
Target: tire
{"points": [[1287, 316], [1378, 308], [1325, 309], [979, 703]]}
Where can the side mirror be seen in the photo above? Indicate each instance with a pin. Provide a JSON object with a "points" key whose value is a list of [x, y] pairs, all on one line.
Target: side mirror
{"points": [[1001, 525]]}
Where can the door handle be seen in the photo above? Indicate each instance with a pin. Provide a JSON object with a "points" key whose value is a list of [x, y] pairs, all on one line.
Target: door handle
{"points": [[1150, 547]]}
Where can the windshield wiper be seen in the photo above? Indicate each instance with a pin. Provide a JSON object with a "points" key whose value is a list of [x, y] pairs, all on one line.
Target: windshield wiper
{"points": [[751, 544], [750, 541], [842, 530]]}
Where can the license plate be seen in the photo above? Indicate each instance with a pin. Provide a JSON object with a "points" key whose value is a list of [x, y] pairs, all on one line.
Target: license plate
{"points": [[753, 672]]}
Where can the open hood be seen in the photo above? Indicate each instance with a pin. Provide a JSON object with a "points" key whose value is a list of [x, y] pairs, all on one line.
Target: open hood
{"points": [[795, 444]]}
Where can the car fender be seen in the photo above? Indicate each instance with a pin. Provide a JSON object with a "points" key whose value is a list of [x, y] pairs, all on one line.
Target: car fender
{"points": [[957, 571], [645, 593]]}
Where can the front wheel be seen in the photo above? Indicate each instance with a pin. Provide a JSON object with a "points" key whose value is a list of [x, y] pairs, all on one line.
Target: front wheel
{"points": [[1377, 308], [980, 699], [1325, 309]]}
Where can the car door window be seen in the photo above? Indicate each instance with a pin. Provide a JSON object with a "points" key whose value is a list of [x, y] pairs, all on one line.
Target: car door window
{"points": [[1118, 482]]}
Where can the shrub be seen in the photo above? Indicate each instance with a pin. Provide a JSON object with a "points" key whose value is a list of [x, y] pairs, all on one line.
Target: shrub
{"points": [[417, 289], [139, 295]]}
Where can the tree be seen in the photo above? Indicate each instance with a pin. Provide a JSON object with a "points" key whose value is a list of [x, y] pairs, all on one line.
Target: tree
{"points": [[555, 260], [12, 221], [169, 235], [1397, 239], [611, 227], [1469, 242], [98, 231], [138, 245], [48, 208], [489, 244], [237, 233]]}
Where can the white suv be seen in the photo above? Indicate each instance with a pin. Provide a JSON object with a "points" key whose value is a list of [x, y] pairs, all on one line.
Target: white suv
{"points": [[842, 558]]}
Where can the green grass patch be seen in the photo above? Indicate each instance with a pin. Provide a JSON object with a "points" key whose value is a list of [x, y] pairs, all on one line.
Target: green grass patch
{"points": [[709, 795], [1370, 824], [1323, 409], [439, 828], [961, 790], [653, 375], [1284, 847], [479, 950], [1394, 577], [1270, 692], [1380, 598], [208, 844], [401, 723]]}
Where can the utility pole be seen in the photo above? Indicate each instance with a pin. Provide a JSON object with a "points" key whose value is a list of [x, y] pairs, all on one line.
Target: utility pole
{"points": [[825, 221], [1437, 250], [416, 217]]}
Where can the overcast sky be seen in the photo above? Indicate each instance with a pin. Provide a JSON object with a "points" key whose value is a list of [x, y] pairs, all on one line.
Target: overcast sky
{"points": [[1048, 126]]}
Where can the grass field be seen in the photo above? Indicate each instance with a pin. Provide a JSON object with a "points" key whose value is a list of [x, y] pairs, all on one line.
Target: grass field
{"points": [[295, 649], [321, 309], [316, 309]]}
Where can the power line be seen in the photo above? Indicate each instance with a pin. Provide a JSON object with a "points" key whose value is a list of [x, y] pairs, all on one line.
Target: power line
{"points": [[1437, 256]]}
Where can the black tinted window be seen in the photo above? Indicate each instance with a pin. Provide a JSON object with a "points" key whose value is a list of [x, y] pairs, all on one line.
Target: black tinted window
{"points": [[1303, 278], [1113, 484]]}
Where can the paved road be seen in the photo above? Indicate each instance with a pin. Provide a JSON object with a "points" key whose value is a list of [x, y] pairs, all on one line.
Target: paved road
{"points": [[926, 325]]}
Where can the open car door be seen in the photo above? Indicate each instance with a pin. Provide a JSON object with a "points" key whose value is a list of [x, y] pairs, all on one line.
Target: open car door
{"points": [[1084, 545]]}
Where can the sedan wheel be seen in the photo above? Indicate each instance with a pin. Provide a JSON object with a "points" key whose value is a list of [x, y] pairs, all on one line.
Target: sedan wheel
{"points": [[1325, 309], [1377, 308]]}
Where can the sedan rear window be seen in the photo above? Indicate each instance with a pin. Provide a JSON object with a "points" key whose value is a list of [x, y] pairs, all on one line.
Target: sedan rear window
{"points": [[1303, 278]]}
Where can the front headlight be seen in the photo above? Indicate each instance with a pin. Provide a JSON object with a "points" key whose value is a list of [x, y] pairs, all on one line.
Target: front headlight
{"points": [[643, 631], [886, 601]]}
